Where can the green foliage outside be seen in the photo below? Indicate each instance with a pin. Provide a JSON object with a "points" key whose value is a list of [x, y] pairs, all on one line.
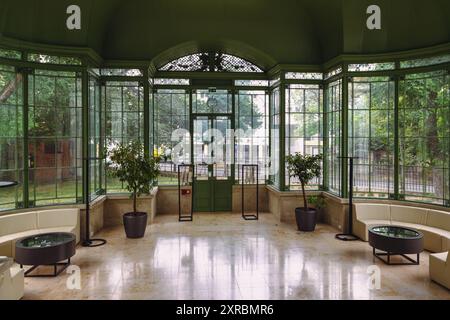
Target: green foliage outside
{"points": [[55, 98]]}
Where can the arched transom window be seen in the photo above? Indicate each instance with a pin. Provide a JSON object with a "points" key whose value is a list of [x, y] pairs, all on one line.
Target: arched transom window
{"points": [[212, 62]]}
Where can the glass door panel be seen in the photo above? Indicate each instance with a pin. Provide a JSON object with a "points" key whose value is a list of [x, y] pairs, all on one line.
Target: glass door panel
{"points": [[212, 157], [212, 101], [223, 148]]}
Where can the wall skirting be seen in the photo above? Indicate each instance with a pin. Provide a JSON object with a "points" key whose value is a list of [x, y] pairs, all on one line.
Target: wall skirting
{"points": [[107, 210]]}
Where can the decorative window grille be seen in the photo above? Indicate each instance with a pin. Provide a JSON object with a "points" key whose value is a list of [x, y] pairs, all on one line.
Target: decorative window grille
{"points": [[48, 59], [251, 83], [121, 72], [366, 67], [333, 73], [213, 62], [274, 81], [304, 76], [174, 82], [425, 62], [10, 54]]}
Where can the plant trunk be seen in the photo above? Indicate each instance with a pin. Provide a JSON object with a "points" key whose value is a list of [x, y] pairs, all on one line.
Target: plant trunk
{"points": [[134, 202], [305, 200]]}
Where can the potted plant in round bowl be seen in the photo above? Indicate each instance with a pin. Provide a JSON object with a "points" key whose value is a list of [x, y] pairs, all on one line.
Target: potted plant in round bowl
{"points": [[305, 168], [131, 166]]}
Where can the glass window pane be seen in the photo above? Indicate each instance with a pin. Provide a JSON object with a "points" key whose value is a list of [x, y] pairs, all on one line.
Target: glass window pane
{"points": [[424, 137]]}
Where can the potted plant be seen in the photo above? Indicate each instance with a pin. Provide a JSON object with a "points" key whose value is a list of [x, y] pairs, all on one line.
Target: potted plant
{"points": [[305, 168], [318, 203], [131, 166]]}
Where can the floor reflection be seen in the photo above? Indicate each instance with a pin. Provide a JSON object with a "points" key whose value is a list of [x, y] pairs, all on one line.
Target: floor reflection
{"points": [[221, 256]]}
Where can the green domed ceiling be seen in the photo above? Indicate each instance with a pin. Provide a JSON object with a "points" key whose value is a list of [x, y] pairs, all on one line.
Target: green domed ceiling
{"points": [[267, 32]]}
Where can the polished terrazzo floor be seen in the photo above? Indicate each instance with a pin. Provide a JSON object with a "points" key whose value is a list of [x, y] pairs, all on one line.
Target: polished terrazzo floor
{"points": [[221, 256]]}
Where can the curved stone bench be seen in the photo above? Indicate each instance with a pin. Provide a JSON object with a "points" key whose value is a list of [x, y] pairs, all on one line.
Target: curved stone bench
{"points": [[19, 225], [434, 224]]}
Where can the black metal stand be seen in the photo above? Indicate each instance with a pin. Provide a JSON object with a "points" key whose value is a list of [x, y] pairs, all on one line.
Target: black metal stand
{"points": [[387, 261], [88, 242], [250, 216], [181, 217], [56, 271], [349, 235]]}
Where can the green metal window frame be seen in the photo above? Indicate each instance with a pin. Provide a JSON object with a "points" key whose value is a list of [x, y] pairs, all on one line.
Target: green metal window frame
{"points": [[117, 110], [96, 139], [374, 151], [275, 139], [426, 60], [307, 115], [54, 143], [430, 104], [258, 143], [165, 113], [11, 139], [334, 136]]}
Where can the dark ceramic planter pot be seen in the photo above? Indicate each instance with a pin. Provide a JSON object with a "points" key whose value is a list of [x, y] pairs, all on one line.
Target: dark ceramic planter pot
{"points": [[306, 219], [135, 224]]}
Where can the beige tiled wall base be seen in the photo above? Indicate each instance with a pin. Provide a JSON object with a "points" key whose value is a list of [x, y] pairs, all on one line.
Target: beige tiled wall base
{"points": [[283, 204], [96, 217], [116, 206], [336, 212], [250, 199], [167, 200]]}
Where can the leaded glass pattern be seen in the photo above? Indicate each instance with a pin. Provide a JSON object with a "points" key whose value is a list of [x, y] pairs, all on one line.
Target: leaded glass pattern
{"points": [[215, 62], [273, 82], [251, 83], [48, 59], [304, 76], [10, 54], [173, 82], [121, 72], [425, 62], [333, 73], [367, 67]]}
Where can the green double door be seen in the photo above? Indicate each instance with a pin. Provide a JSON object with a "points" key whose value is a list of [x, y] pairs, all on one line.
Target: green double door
{"points": [[213, 148]]}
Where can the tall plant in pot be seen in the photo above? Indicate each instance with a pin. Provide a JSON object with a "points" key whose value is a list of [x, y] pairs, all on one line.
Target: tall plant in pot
{"points": [[305, 168], [137, 171]]}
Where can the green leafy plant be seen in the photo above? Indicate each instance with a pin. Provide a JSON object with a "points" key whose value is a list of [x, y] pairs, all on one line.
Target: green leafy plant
{"points": [[317, 201], [131, 166], [305, 168]]}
